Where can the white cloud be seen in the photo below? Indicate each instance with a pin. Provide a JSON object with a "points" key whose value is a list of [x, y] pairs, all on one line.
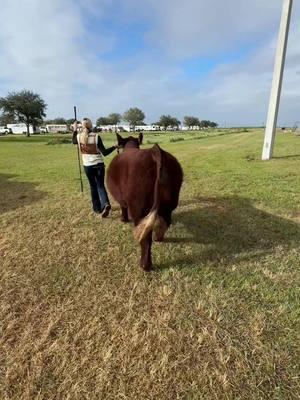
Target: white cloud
{"points": [[42, 47], [50, 47], [201, 27]]}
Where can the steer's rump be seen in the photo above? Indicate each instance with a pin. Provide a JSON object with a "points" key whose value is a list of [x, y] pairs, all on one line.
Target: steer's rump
{"points": [[146, 184], [136, 175]]}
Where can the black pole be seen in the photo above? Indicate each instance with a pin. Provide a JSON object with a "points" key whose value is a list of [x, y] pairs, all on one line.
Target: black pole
{"points": [[78, 155]]}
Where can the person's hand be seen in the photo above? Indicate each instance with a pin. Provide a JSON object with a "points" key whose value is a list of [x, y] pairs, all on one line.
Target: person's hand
{"points": [[75, 126]]}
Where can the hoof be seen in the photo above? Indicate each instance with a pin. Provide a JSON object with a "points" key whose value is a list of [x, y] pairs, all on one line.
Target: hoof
{"points": [[146, 268], [106, 210], [159, 239]]}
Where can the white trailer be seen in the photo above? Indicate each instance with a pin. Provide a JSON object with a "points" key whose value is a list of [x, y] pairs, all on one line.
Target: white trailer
{"points": [[191, 128], [148, 128], [53, 128], [108, 128], [21, 128], [128, 128]]}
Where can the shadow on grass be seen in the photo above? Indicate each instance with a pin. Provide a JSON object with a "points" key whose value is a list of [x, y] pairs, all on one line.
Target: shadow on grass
{"points": [[288, 156], [15, 194], [228, 229]]}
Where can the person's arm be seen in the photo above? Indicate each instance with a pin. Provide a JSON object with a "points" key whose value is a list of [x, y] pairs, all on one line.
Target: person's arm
{"points": [[74, 138], [103, 150]]}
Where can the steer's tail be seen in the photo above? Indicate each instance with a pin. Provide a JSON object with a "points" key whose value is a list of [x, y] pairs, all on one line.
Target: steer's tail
{"points": [[147, 224]]}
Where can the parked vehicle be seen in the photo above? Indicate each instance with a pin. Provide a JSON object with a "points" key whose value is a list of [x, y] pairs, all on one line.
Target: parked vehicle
{"points": [[4, 130]]}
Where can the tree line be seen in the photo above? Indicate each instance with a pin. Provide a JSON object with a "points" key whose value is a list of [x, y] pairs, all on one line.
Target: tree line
{"points": [[29, 108], [135, 116]]}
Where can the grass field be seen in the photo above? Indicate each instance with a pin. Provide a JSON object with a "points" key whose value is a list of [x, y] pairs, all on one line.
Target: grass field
{"points": [[218, 318]]}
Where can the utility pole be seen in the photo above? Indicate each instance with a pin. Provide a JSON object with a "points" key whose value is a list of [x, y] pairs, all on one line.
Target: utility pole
{"points": [[270, 131]]}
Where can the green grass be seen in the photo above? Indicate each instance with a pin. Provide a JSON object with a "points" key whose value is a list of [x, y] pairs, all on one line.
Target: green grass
{"points": [[218, 318]]}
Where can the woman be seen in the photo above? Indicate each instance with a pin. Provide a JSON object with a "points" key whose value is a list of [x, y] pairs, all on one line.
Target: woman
{"points": [[92, 150]]}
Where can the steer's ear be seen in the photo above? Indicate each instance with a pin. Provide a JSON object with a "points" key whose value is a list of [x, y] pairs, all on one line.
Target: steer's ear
{"points": [[119, 139], [141, 138]]}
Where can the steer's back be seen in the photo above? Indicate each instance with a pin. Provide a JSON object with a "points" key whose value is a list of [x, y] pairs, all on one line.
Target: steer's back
{"points": [[131, 177]]}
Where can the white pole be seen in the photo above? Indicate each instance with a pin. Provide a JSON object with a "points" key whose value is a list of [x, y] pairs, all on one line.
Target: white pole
{"points": [[271, 125]]}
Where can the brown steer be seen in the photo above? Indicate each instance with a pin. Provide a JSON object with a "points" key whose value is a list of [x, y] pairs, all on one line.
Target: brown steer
{"points": [[146, 184]]}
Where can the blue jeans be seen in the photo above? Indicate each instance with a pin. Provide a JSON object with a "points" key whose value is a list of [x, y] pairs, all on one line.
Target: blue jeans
{"points": [[95, 175]]}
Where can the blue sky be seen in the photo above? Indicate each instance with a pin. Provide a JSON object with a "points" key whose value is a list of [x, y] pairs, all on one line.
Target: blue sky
{"points": [[206, 58]]}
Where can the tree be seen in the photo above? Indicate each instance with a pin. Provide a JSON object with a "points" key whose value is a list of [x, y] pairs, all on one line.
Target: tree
{"points": [[114, 119], [213, 124], [208, 124], [134, 116], [26, 106], [204, 123], [59, 121], [6, 119], [166, 120], [175, 123], [191, 121], [102, 121]]}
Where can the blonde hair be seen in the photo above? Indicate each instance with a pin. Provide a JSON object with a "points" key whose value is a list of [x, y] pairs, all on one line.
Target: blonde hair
{"points": [[87, 127]]}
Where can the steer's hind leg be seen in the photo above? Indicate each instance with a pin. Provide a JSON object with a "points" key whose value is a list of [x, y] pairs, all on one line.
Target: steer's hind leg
{"points": [[146, 243], [160, 228], [145, 239], [124, 216]]}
